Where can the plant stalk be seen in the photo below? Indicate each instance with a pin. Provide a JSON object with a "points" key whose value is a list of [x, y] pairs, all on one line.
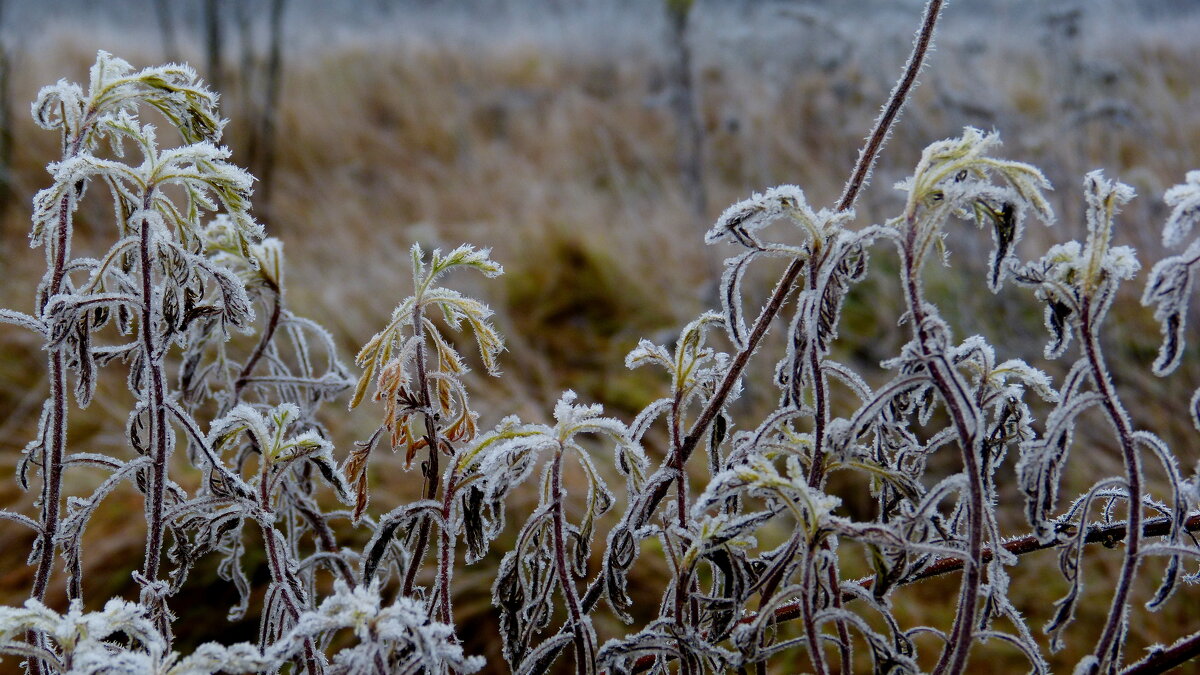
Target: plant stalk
{"points": [[1108, 647], [585, 651], [432, 477], [1107, 534], [52, 457], [441, 594], [260, 349], [156, 409], [954, 656]]}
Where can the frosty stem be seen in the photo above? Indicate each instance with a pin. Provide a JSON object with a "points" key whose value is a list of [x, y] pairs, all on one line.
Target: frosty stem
{"points": [[862, 169], [1108, 646], [958, 404], [260, 349], [154, 389], [445, 572], [682, 575], [281, 567], [585, 649], [432, 477], [52, 456], [812, 634], [1162, 660], [816, 472]]}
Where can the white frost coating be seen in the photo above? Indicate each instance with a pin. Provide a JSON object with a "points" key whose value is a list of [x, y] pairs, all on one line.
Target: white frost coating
{"points": [[400, 631], [1104, 199], [776, 471], [576, 419], [106, 69], [1169, 287], [1184, 201], [1086, 665], [692, 366], [759, 477], [740, 221], [212, 658], [647, 353], [81, 637], [731, 297], [59, 104]]}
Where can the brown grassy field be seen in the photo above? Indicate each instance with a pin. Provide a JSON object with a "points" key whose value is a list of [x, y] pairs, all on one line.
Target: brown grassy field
{"points": [[561, 156]]}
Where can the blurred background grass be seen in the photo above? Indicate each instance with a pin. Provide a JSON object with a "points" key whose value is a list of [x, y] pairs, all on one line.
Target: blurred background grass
{"points": [[544, 129]]}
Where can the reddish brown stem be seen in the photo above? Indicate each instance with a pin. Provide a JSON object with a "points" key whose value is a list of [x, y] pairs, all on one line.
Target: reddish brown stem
{"points": [[156, 408], [290, 589], [432, 477], [585, 650], [52, 456], [324, 535], [1162, 660], [441, 595], [1108, 647]]}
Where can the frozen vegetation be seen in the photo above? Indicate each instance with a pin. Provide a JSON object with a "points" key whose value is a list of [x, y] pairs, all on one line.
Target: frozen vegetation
{"points": [[770, 507]]}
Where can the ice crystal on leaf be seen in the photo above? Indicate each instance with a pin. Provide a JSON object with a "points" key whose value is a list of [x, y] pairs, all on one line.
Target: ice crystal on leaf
{"points": [[397, 638], [412, 314], [760, 477], [741, 221], [955, 176], [80, 640], [1169, 286], [115, 87], [543, 552], [1184, 201], [1072, 277]]}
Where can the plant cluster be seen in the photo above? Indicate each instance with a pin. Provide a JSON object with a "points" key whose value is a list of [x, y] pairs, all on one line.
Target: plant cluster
{"points": [[190, 301]]}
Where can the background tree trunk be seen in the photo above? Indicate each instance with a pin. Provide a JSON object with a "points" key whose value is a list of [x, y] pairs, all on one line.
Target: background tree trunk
{"points": [[213, 40], [690, 150], [166, 27], [6, 145], [264, 162]]}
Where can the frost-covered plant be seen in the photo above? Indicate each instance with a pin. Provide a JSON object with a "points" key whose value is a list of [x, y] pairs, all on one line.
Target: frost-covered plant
{"points": [[80, 642], [425, 407], [751, 536], [66, 315], [154, 278]]}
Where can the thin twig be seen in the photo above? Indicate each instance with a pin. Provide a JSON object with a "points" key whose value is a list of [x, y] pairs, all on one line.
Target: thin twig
{"points": [[1161, 660]]}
